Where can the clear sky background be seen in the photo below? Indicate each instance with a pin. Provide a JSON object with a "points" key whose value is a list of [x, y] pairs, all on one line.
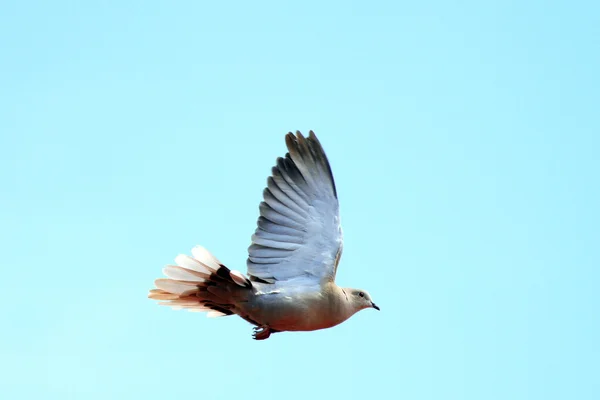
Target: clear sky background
{"points": [[464, 139]]}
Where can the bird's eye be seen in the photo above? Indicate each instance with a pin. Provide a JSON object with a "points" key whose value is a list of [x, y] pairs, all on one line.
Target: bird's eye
{"points": [[361, 294]]}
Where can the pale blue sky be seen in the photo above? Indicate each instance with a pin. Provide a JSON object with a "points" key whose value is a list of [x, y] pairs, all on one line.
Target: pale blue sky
{"points": [[464, 142]]}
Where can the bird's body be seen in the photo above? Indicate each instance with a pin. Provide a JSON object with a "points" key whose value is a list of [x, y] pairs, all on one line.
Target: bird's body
{"points": [[299, 309], [292, 261]]}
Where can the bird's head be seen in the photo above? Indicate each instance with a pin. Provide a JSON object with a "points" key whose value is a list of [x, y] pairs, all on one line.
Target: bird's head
{"points": [[360, 299]]}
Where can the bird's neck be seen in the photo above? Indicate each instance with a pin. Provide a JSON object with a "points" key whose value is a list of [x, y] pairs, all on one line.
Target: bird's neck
{"points": [[341, 303]]}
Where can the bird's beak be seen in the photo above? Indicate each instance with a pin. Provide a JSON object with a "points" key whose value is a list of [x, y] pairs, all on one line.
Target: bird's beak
{"points": [[375, 306]]}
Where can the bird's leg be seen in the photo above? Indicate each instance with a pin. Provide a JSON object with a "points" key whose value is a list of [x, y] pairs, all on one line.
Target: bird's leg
{"points": [[261, 332]]}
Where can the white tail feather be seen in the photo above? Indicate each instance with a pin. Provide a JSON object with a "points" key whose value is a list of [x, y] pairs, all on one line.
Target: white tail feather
{"points": [[215, 314], [183, 274], [185, 303], [163, 296], [175, 287], [239, 278], [205, 257], [188, 262], [185, 280]]}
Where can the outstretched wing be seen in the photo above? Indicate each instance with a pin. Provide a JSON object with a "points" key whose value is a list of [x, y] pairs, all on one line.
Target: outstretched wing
{"points": [[299, 236]]}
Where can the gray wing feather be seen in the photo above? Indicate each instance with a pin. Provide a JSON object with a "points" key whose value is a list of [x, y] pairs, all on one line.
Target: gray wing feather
{"points": [[299, 233]]}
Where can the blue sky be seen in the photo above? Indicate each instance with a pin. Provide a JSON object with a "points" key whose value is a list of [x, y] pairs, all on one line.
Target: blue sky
{"points": [[464, 142]]}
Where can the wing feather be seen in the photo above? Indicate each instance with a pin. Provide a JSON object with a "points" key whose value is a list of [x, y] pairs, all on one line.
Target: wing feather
{"points": [[281, 207], [299, 232]]}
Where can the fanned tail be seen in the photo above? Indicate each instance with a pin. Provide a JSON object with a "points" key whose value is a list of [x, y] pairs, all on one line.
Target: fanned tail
{"points": [[201, 284]]}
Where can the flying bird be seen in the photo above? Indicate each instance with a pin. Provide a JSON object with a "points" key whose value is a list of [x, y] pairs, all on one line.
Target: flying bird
{"points": [[292, 261]]}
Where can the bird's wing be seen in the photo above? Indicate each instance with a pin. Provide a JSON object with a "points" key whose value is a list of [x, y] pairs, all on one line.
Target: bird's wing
{"points": [[299, 236]]}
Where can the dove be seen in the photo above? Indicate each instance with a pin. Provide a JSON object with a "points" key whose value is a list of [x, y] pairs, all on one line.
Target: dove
{"points": [[292, 260]]}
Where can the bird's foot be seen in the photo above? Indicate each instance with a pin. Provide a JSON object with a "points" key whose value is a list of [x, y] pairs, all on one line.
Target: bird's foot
{"points": [[261, 332]]}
